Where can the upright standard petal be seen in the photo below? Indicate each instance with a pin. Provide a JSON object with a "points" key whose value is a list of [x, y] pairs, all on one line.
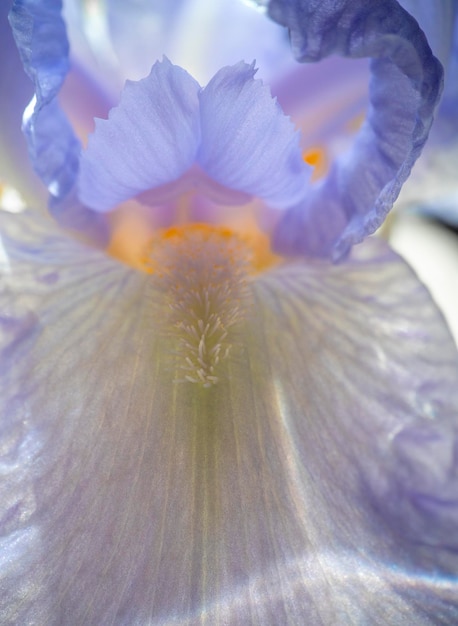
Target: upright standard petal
{"points": [[164, 124], [248, 144], [404, 90], [316, 484], [150, 139]]}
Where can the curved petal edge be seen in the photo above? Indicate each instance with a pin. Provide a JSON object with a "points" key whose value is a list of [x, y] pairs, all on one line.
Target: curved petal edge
{"points": [[405, 87], [40, 35], [248, 143], [150, 139]]}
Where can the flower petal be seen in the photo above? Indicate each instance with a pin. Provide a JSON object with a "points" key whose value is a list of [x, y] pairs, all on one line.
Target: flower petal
{"points": [[404, 90], [437, 20], [17, 91], [433, 186], [316, 484], [231, 31], [129, 38], [150, 139], [153, 24], [248, 144], [40, 36]]}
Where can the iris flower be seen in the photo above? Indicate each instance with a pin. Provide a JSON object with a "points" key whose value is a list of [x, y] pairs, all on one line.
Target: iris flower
{"points": [[250, 421]]}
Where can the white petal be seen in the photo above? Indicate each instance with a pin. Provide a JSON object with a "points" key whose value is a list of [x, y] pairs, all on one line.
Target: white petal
{"points": [[275, 497]]}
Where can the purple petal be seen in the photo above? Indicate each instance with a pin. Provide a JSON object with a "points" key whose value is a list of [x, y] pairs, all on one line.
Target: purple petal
{"points": [[437, 20], [17, 91], [298, 490], [140, 33], [149, 140], [40, 36], [450, 99], [404, 90], [323, 97], [248, 144], [231, 31], [433, 186]]}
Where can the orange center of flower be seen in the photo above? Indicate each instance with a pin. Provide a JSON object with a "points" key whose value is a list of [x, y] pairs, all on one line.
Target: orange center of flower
{"points": [[202, 273], [135, 234]]}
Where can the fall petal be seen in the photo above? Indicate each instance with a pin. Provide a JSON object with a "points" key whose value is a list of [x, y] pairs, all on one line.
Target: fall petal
{"points": [[317, 483]]}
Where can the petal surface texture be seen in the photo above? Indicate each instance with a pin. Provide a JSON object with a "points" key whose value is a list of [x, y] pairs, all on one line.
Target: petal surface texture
{"points": [[248, 144], [404, 89], [149, 140], [316, 484], [40, 35], [433, 185], [17, 91], [165, 123], [437, 20]]}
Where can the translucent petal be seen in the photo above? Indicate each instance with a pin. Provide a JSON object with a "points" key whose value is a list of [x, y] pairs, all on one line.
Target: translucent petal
{"points": [[433, 186], [117, 40], [17, 91], [150, 139], [153, 23], [317, 484], [248, 144], [404, 90], [40, 35], [231, 31], [165, 123], [448, 106], [437, 19]]}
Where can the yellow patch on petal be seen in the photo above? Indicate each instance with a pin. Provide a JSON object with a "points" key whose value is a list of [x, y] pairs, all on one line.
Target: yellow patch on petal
{"points": [[135, 230], [132, 227], [203, 273], [316, 157]]}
